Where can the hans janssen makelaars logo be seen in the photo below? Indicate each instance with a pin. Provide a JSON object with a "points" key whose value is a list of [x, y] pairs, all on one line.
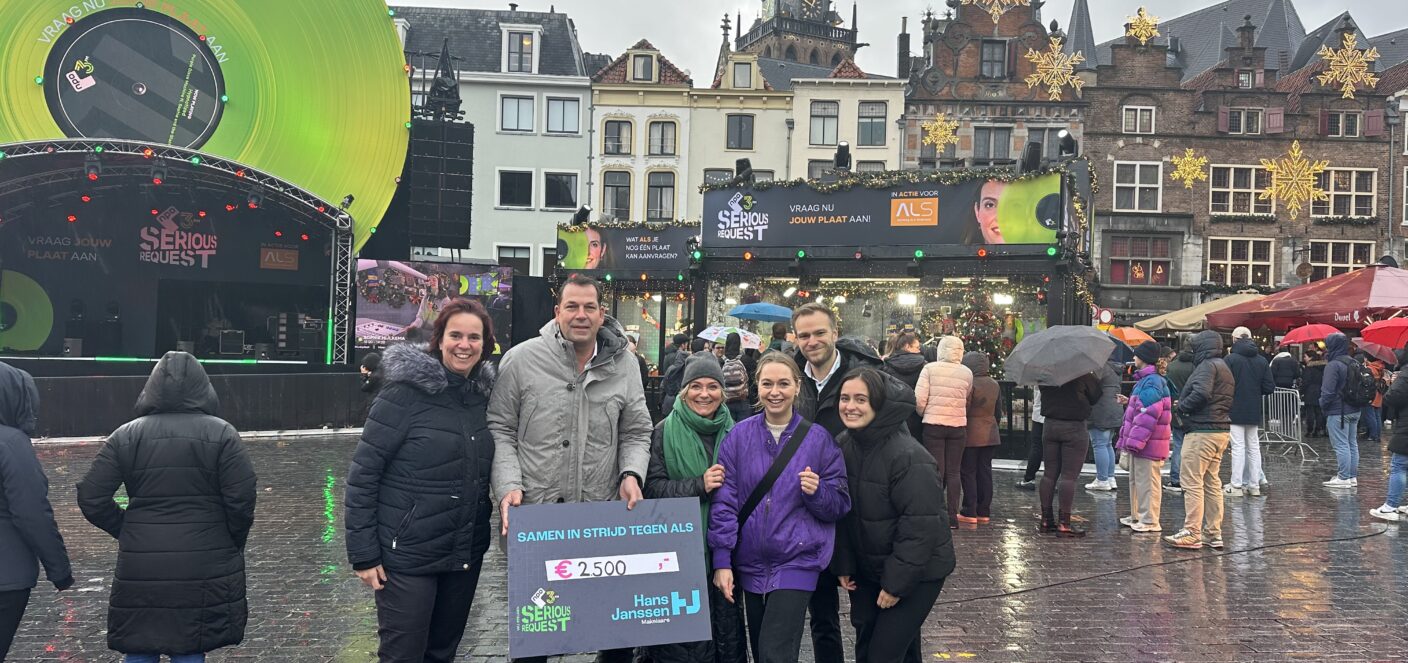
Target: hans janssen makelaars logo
{"points": [[658, 609], [739, 221]]}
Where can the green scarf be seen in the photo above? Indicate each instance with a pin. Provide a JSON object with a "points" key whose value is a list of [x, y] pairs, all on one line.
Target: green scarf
{"points": [[685, 456]]}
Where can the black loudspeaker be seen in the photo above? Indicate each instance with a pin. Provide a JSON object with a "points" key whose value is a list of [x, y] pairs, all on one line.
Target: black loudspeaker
{"points": [[532, 307], [439, 180]]}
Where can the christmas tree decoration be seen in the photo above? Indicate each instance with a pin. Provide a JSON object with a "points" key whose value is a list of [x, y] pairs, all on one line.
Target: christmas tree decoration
{"points": [[1054, 69], [941, 132], [1189, 168], [996, 8], [979, 326], [1142, 27], [1293, 180], [1348, 67]]}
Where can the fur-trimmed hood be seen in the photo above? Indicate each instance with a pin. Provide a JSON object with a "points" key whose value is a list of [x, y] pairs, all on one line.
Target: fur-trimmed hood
{"points": [[413, 364]]}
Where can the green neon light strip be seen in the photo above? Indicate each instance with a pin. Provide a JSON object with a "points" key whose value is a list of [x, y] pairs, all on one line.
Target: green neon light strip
{"points": [[327, 359]]}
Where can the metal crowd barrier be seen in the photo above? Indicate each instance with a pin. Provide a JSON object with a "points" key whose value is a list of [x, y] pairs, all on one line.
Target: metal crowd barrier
{"points": [[1280, 423]]}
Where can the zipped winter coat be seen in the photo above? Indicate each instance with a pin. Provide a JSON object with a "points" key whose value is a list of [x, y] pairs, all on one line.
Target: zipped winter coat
{"points": [[418, 487], [1105, 413], [821, 408], [788, 540], [1336, 373], [944, 387], [1285, 370], [1179, 370], [906, 366], [896, 533], [1205, 401], [1252, 375], [984, 402], [1147, 431], [1396, 410], [563, 435], [27, 528], [180, 580]]}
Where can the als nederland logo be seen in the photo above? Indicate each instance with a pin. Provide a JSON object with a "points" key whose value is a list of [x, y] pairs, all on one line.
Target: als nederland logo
{"points": [[545, 615], [171, 242], [914, 212], [739, 221], [81, 78]]}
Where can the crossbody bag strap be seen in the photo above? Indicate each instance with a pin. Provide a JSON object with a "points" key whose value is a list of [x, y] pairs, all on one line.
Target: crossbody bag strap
{"points": [[783, 458]]}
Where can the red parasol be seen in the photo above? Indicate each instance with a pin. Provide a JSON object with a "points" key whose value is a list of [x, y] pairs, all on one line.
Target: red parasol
{"points": [[1392, 332], [1308, 333], [1347, 301], [1381, 351]]}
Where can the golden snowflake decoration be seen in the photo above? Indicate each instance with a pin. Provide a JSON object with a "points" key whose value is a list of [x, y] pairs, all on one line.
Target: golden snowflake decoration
{"points": [[1293, 180], [941, 132], [1348, 66], [1142, 27], [1055, 69], [996, 8], [1189, 168]]}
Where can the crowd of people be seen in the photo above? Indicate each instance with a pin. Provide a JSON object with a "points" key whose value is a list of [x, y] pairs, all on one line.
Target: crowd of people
{"points": [[868, 463]]}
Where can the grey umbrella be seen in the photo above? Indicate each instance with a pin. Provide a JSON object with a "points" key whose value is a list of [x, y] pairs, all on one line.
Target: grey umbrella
{"points": [[1057, 355]]}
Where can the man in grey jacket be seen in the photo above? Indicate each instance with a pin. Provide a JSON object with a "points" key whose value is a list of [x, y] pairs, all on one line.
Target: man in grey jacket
{"points": [[568, 415]]}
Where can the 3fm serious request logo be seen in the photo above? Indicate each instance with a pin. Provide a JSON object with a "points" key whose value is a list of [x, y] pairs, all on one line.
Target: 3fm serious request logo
{"points": [[170, 242], [81, 78], [740, 222], [544, 616]]}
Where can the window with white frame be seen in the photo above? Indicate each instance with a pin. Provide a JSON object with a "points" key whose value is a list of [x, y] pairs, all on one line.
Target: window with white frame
{"points": [[742, 76], [564, 115], [818, 167], [1343, 124], [871, 129], [1246, 121], [1138, 186], [1237, 190], [1245, 79], [1239, 261], [520, 258], [740, 132], [516, 113], [520, 52], [763, 176], [992, 146], [515, 188], [660, 197], [560, 190], [616, 194], [1330, 258], [617, 137], [994, 59], [1139, 119], [826, 118], [1139, 260], [643, 68], [870, 166], [1351, 192], [662, 138]]}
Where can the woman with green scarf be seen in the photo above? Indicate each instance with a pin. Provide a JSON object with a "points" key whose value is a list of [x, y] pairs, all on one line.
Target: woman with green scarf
{"points": [[684, 462]]}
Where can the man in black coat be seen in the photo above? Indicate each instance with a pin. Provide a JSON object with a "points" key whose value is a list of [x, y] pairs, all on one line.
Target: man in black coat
{"points": [[824, 360], [1253, 380], [1204, 405], [678, 344], [180, 583], [27, 527], [1285, 371]]}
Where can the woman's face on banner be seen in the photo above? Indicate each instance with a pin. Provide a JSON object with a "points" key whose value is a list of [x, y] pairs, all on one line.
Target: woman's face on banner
{"points": [[986, 211], [595, 248]]}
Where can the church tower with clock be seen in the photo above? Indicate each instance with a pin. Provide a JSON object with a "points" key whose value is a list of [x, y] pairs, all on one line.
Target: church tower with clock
{"points": [[804, 31]]}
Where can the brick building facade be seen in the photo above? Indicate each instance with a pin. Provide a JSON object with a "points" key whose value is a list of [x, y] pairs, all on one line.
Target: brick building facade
{"points": [[1162, 245]]}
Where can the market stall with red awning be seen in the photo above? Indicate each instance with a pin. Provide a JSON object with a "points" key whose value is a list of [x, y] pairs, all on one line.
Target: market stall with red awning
{"points": [[1346, 301]]}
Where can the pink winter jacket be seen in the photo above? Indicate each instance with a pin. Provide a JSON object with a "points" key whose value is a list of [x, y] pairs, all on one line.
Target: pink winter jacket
{"points": [[944, 386], [1146, 432]]}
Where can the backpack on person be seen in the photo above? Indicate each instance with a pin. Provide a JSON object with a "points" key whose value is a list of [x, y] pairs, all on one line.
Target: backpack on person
{"points": [[1359, 384], [735, 380]]}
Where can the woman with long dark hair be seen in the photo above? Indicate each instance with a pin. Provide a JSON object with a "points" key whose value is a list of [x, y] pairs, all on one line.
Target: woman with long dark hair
{"points": [[894, 549], [418, 504]]}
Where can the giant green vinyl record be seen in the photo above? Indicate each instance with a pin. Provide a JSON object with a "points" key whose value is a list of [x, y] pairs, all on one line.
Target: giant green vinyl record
{"points": [[311, 91], [26, 314]]}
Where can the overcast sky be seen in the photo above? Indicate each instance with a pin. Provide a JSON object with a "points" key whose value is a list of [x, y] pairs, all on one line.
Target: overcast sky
{"points": [[688, 33]]}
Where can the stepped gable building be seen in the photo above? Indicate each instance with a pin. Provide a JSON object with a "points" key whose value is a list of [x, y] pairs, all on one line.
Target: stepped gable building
{"points": [[973, 71], [1175, 227]]}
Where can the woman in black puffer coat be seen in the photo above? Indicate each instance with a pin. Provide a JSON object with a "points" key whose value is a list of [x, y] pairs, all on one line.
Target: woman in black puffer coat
{"points": [[418, 490], [180, 584], [894, 549]]}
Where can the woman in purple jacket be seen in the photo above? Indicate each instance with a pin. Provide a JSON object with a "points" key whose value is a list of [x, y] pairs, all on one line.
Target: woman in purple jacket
{"points": [[781, 547], [1145, 437]]}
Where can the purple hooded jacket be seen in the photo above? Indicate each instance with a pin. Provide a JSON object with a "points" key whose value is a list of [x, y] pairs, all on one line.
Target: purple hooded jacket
{"points": [[1146, 432], [787, 542]]}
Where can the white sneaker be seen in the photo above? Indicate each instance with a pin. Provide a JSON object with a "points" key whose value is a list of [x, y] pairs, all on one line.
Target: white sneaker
{"points": [[1337, 482], [1232, 491], [1254, 491], [1403, 509], [1142, 528], [1354, 481], [1095, 485], [1385, 512], [1127, 521], [1111, 485]]}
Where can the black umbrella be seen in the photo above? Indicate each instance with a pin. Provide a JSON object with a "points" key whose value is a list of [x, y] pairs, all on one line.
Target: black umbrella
{"points": [[1057, 355]]}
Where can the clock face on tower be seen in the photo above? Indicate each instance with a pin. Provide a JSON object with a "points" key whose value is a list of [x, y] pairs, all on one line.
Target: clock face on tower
{"points": [[811, 9]]}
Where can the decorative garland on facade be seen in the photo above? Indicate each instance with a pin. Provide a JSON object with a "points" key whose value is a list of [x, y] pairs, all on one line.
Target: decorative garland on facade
{"points": [[652, 225], [1265, 219], [887, 179], [1346, 221], [1210, 288]]}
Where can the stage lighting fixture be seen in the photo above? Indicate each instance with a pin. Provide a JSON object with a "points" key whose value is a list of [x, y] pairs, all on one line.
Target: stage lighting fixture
{"points": [[278, 233], [239, 173], [72, 219], [583, 214], [230, 207], [743, 170], [982, 253], [919, 254], [159, 172], [147, 153], [86, 198], [201, 214], [303, 237], [860, 255], [843, 156], [347, 201], [92, 168], [155, 211], [1068, 146], [254, 200]]}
